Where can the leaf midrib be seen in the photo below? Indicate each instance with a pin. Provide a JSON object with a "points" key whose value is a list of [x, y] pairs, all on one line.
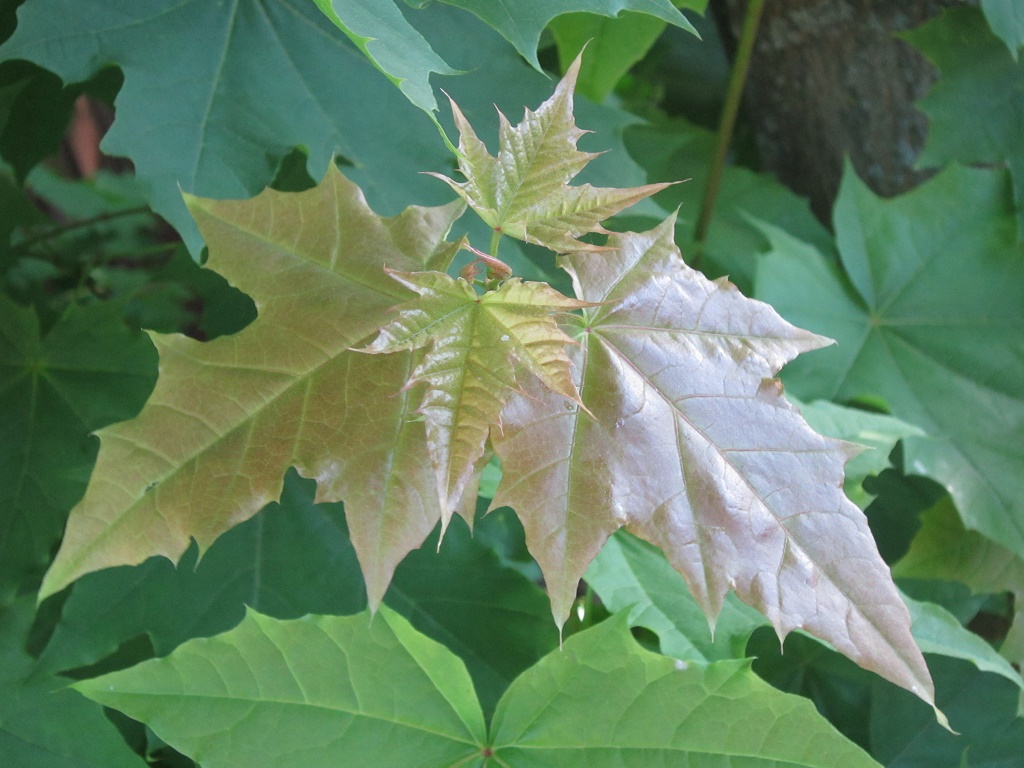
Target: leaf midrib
{"points": [[285, 703], [785, 530]]}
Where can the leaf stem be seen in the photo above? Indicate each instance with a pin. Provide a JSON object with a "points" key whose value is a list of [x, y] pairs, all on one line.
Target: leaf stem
{"points": [[71, 226], [730, 109], [495, 242]]}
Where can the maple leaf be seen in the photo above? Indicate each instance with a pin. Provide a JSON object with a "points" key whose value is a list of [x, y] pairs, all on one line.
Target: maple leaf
{"points": [[524, 192], [228, 417], [477, 343], [694, 449]]}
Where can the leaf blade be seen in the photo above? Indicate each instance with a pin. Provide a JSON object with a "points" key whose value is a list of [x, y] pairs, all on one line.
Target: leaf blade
{"points": [[683, 364], [524, 191], [287, 678], [604, 701], [947, 374], [476, 344], [228, 417], [85, 372], [394, 46], [522, 21], [42, 723]]}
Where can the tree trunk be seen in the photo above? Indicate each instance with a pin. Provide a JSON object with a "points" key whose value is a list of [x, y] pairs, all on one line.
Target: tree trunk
{"points": [[829, 79]]}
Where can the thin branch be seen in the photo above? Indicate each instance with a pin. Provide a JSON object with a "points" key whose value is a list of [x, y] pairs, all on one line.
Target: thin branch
{"points": [[57, 231], [731, 108]]}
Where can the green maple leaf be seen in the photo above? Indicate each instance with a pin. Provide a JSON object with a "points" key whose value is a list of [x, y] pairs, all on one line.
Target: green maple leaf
{"points": [[228, 417], [944, 549], [43, 724], [215, 94], [394, 46], [1007, 21], [477, 344], [700, 455], [976, 108], [352, 690], [86, 371], [524, 192], [614, 44], [931, 320], [521, 22]]}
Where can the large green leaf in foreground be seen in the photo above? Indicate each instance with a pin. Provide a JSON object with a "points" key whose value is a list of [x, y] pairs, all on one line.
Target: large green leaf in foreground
{"points": [[228, 417], [312, 691], [325, 691], [605, 702], [931, 320], [85, 372], [702, 457]]}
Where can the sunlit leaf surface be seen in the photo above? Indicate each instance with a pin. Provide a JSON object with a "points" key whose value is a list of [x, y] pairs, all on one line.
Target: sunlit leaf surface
{"points": [[524, 191], [228, 417], [702, 457], [476, 344]]}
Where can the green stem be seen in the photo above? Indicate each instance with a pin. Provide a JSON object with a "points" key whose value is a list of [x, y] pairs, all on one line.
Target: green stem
{"points": [[64, 228], [495, 241], [729, 111]]}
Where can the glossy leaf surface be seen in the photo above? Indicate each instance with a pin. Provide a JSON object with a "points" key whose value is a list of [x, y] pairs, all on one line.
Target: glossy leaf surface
{"points": [[703, 458], [524, 191], [934, 301], [228, 417], [475, 344], [312, 691]]}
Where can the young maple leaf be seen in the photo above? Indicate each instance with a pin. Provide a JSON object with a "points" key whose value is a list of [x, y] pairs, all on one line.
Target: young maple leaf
{"points": [[477, 344], [693, 448], [524, 192], [229, 416]]}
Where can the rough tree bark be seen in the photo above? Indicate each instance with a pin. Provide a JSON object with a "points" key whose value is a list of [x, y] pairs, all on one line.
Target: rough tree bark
{"points": [[829, 79]]}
